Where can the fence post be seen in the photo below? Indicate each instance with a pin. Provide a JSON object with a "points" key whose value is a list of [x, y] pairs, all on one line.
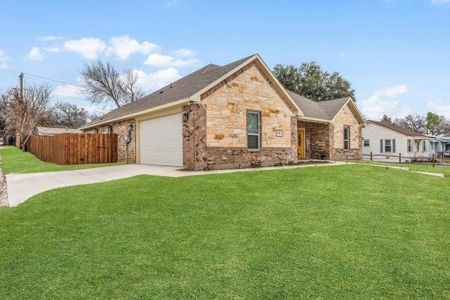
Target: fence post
{"points": [[370, 155], [399, 158]]}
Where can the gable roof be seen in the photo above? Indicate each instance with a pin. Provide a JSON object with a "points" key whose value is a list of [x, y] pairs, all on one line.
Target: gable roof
{"points": [[397, 128], [187, 88], [324, 110]]}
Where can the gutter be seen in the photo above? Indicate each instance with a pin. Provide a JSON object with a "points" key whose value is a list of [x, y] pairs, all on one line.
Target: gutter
{"points": [[313, 120], [133, 115]]}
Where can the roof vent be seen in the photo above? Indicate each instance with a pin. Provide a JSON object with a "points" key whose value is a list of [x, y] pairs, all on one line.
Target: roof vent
{"points": [[161, 92], [170, 85]]}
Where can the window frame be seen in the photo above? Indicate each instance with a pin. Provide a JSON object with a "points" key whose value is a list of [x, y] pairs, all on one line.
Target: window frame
{"points": [[258, 113], [390, 146], [409, 145], [368, 143], [424, 146], [346, 127]]}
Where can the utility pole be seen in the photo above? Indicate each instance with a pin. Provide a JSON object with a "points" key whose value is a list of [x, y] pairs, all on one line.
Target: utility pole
{"points": [[18, 141], [21, 86]]}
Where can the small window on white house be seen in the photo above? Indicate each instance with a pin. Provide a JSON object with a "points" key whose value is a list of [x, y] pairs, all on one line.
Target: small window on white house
{"points": [[253, 130], [346, 137], [366, 143], [410, 146], [387, 145], [424, 146]]}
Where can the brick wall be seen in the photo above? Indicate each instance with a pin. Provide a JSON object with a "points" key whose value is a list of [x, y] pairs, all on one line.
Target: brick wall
{"points": [[317, 139], [120, 128], [198, 155]]}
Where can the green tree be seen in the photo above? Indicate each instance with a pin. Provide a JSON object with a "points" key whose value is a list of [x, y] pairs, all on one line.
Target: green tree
{"points": [[435, 124], [311, 82]]}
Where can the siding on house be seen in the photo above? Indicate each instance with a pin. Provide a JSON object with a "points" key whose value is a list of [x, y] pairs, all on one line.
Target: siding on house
{"points": [[374, 133]]}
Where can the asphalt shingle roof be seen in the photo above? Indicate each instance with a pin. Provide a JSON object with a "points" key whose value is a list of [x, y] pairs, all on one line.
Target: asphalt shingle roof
{"points": [[178, 90], [397, 128], [324, 110]]}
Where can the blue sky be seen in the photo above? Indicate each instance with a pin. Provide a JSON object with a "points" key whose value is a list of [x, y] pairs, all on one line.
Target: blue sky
{"points": [[396, 53]]}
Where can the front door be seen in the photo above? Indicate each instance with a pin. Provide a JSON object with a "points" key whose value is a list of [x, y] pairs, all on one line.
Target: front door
{"points": [[301, 143]]}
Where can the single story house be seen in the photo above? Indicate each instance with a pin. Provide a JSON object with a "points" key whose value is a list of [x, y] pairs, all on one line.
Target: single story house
{"points": [[232, 116], [386, 141], [50, 131], [443, 144]]}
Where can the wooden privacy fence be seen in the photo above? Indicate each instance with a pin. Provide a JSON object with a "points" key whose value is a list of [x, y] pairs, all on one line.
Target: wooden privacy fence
{"points": [[75, 148]]}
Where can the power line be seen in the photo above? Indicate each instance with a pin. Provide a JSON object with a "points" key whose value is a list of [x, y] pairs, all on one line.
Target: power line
{"points": [[37, 76]]}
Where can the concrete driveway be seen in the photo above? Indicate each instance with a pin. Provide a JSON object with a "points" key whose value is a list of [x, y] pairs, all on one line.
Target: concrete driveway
{"points": [[20, 187]]}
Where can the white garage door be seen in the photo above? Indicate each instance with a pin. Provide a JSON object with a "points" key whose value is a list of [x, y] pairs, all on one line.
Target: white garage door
{"points": [[161, 141]]}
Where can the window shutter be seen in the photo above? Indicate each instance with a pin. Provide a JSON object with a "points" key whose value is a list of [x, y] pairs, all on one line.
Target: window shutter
{"points": [[381, 146], [393, 145]]}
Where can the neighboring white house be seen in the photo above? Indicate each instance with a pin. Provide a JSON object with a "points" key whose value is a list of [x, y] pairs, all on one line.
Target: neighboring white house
{"points": [[386, 141]]}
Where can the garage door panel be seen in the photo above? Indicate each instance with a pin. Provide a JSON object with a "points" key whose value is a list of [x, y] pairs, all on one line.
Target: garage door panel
{"points": [[161, 141]]}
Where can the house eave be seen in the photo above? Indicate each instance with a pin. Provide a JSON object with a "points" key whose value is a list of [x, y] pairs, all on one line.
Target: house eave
{"points": [[313, 120], [134, 115]]}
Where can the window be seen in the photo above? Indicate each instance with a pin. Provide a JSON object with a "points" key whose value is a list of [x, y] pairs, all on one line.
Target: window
{"points": [[387, 145], [410, 146], [424, 146], [253, 130], [346, 137], [366, 143], [110, 129]]}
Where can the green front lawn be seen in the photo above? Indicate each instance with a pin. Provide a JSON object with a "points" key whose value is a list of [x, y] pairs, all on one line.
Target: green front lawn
{"points": [[327, 232], [14, 160], [424, 167]]}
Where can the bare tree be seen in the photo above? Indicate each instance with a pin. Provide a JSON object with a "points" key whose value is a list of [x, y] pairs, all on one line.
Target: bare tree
{"points": [[67, 115], [103, 84], [23, 112], [130, 87], [416, 123]]}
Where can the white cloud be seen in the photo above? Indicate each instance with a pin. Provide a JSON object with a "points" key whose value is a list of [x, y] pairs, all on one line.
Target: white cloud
{"points": [[385, 101], [49, 38], [52, 49], [123, 47], [440, 2], [171, 2], [184, 53], [439, 107], [3, 59], [87, 47], [35, 54], [67, 90], [153, 81], [160, 60]]}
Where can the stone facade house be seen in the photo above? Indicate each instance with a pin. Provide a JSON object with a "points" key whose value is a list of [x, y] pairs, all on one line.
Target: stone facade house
{"points": [[233, 116]]}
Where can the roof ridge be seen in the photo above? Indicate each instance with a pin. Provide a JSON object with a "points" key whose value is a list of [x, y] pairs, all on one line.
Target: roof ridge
{"points": [[398, 128]]}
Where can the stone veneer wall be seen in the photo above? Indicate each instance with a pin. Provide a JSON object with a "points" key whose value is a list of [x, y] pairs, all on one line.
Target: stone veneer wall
{"points": [[197, 155], [345, 118], [120, 128], [317, 139], [228, 103]]}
